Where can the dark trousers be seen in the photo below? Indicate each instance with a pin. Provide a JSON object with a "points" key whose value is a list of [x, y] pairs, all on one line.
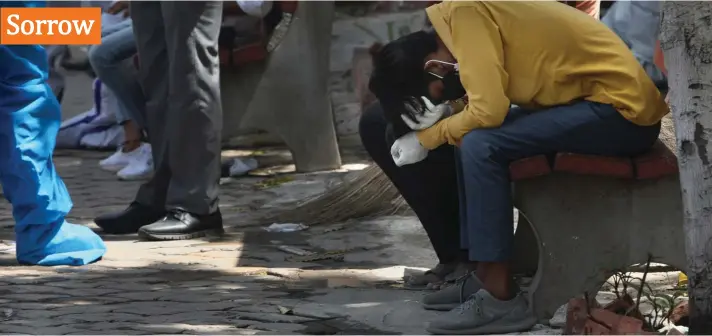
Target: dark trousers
{"points": [[179, 72], [429, 187], [485, 155]]}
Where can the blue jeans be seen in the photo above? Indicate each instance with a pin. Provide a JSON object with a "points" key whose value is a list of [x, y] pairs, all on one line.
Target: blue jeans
{"points": [[108, 61], [486, 219]]}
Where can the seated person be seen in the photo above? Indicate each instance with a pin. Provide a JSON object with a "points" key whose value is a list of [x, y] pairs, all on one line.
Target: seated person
{"points": [[579, 89], [429, 188], [246, 22], [111, 61], [433, 199]]}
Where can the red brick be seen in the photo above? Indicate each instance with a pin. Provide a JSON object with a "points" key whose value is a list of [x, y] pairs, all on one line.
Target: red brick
{"points": [[616, 167], [628, 325], [531, 167], [623, 305], [593, 328], [287, 6], [246, 54], [576, 316], [607, 318], [680, 314], [658, 162], [618, 324]]}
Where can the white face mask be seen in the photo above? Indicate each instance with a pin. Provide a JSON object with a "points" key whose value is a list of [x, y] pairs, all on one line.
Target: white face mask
{"points": [[452, 87]]}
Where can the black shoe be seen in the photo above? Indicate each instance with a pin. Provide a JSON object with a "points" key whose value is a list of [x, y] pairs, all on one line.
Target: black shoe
{"points": [[129, 220], [181, 225]]}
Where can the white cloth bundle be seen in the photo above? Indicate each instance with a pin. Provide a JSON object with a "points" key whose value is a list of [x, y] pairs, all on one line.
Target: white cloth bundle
{"points": [[256, 8]]}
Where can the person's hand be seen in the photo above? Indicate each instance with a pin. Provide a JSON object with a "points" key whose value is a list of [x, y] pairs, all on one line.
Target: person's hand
{"points": [[408, 150], [119, 7], [431, 115]]}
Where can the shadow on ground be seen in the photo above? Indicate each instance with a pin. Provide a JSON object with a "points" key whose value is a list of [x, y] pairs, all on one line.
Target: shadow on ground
{"points": [[243, 283], [167, 298]]}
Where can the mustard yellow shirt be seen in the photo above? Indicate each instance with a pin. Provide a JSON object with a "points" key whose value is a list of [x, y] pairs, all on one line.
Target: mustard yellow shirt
{"points": [[535, 54]]}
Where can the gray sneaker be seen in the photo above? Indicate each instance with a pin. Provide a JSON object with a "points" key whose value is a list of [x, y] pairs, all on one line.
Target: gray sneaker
{"points": [[454, 295], [435, 275], [483, 314]]}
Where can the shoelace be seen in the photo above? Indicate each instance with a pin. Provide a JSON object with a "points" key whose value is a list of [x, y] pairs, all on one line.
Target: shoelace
{"points": [[462, 281], [474, 301]]}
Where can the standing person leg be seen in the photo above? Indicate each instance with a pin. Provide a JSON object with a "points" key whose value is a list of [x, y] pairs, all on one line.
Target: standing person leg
{"points": [[429, 187], [194, 131], [149, 205], [29, 122], [133, 159], [108, 60]]}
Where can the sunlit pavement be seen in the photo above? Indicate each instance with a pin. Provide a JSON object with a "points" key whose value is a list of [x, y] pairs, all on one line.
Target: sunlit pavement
{"points": [[239, 284]]}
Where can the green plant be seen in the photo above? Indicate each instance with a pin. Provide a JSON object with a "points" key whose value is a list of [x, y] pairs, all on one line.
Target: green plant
{"points": [[662, 304]]}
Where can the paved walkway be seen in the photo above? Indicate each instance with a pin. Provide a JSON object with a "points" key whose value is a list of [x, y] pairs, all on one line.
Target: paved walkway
{"points": [[240, 284]]}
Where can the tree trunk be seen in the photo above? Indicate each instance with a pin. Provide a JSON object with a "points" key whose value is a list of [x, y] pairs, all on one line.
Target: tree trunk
{"points": [[686, 40]]}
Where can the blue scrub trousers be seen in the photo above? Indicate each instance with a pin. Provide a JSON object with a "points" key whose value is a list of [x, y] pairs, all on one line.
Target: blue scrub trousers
{"points": [[486, 218], [29, 120]]}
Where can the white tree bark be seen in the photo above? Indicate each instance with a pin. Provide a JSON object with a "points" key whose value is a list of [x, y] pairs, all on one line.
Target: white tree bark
{"points": [[686, 41]]}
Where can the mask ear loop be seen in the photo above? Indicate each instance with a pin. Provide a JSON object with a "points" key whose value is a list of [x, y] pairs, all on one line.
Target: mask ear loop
{"points": [[456, 66], [435, 75]]}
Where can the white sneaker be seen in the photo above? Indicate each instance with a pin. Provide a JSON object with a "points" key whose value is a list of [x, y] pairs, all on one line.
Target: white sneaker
{"points": [[119, 160], [241, 167], [140, 166]]}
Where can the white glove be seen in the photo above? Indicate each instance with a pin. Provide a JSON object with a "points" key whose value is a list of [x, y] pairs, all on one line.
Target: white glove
{"points": [[408, 150], [431, 115]]}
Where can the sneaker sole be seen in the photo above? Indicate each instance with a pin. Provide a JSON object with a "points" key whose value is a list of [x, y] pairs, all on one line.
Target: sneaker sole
{"points": [[183, 236], [441, 306], [113, 169], [135, 178], [520, 326]]}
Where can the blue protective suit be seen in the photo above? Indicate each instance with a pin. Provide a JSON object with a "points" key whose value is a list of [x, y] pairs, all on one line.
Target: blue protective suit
{"points": [[29, 120], [637, 23]]}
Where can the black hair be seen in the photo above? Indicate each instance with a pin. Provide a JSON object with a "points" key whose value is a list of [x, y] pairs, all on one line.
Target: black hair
{"points": [[398, 78]]}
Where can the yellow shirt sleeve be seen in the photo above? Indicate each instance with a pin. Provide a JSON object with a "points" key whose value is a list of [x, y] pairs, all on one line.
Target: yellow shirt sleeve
{"points": [[478, 49]]}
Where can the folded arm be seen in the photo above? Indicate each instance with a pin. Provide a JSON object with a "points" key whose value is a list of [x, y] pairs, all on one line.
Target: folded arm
{"points": [[478, 49]]}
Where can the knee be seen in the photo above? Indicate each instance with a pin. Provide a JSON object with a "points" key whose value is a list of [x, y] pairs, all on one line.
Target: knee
{"points": [[98, 57], [372, 125], [478, 145]]}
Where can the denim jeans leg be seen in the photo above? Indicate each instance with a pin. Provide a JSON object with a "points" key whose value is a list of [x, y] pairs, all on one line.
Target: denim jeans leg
{"points": [[583, 127], [109, 60], [114, 105], [515, 112], [108, 30]]}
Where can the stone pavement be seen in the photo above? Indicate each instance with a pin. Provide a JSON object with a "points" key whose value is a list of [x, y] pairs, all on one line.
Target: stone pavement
{"points": [[239, 284], [234, 285]]}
